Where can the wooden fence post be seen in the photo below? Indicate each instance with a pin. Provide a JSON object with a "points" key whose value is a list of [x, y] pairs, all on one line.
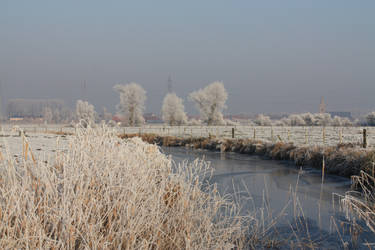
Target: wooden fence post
{"points": [[364, 138], [254, 134], [340, 136]]}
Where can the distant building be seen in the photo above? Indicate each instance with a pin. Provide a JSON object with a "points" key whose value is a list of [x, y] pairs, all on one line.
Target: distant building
{"points": [[152, 118], [15, 119], [341, 114]]}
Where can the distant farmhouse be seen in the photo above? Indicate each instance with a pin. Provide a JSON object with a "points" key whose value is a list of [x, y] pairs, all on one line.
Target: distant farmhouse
{"points": [[152, 118]]}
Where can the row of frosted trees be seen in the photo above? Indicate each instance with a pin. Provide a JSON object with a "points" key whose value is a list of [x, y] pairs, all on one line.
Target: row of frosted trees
{"points": [[210, 102]]}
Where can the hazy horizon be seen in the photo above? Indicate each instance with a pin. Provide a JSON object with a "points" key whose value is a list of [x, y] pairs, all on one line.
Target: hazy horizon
{"points": [[273, 57]]}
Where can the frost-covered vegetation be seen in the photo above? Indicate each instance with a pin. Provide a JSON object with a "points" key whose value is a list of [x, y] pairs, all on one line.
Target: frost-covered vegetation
{"points": [[85, 113], [132, 103], [370, 119], [362, 203], [173, 110], [210, 103], [304, 119], [263, 120], [103, 192]]}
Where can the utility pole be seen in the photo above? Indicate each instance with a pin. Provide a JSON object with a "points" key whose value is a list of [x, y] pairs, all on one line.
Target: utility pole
{"points": [[169, 84], [84, 91], [322, 106]]}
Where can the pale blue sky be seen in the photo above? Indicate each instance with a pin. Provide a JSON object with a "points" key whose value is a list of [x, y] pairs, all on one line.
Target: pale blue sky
{"points": [[273, 56]]}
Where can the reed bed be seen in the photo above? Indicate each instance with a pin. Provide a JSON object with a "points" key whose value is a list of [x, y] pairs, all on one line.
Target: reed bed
{"points": [[103, 192]]}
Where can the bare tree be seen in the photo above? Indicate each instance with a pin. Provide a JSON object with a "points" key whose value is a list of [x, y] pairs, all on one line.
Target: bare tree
{"points": [[173, 110], [132, 103], [210, 102], [85, 113]]}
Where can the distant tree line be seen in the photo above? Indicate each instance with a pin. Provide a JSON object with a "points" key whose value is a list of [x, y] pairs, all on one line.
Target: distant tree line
{"points": [[209, 101], [52, 110]]}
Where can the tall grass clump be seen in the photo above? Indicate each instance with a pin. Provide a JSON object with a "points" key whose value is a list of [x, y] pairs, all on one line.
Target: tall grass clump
{"points": [[362, 202], [103, 192]]}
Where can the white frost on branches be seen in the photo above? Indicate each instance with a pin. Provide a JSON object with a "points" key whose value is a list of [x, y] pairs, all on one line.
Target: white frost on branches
{"points": [[263, 120], [210, 102], [85, 113], [173, 110], [308, 119], [132, 103]]}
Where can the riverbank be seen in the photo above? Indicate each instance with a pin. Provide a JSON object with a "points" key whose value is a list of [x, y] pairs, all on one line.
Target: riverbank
{"points": [[343, 160]]}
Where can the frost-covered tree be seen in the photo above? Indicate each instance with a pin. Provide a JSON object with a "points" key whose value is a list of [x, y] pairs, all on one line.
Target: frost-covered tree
{"points": [[263, 120], [293, 120], [322, 119], [194, 122], [296, 120], [210, 102], [85, 113], [338, 121], [308, 118], [173, 110], [47, 114], [315, 120], [66, 115], [132, 103], [56, 115], [370, 119]]}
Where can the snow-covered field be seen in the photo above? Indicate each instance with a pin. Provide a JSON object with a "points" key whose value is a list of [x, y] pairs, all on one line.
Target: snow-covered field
{"points": [[329, 136], [41, 145]]}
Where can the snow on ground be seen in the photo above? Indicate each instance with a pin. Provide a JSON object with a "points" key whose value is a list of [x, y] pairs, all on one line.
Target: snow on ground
{"points": [[41, 145]]}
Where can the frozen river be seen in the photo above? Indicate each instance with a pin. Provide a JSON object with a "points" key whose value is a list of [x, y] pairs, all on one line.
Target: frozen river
{"points": [[278, 189]]}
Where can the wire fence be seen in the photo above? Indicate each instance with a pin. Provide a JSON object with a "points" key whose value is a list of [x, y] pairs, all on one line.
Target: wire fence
{"points": [[328, 136]]}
